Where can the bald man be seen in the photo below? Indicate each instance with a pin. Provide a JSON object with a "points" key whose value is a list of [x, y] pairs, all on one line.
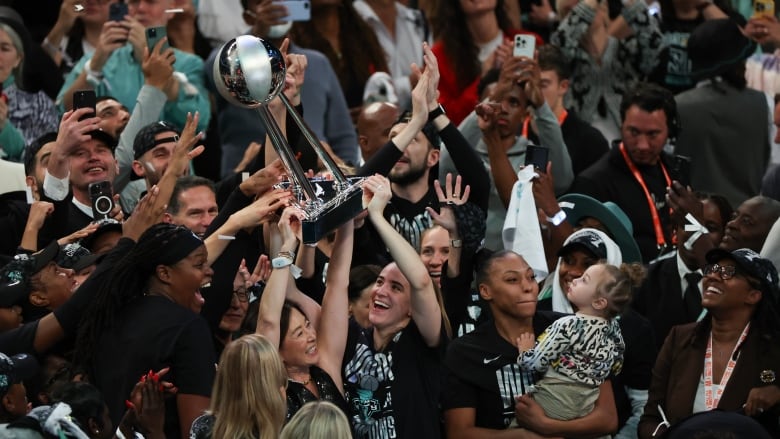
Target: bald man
{"points": [[374, 125]]}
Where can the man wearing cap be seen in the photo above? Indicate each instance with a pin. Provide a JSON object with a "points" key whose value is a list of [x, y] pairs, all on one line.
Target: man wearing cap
{"points": [[13, 395], [152, 150], [725, 124], [83, 154], [635, 173]]}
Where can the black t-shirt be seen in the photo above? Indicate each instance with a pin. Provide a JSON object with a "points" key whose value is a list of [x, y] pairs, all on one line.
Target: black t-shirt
{"points": [[481, 372], [411, 219], [393, 393], [154, 333], [674, 68]]}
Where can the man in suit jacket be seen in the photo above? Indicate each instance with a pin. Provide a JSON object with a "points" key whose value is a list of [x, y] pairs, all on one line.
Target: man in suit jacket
{"points": [[661, 298]]}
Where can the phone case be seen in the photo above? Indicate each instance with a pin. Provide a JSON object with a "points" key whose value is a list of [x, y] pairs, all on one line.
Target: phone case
{"points": [[299, 10], [763, 8], [525, 45], [85, 99], [155, 34], [117, 11], [101, 194]]}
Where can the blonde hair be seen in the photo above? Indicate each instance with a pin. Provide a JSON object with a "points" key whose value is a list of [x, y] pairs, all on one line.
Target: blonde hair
{"points": [[618, 289], [247, 401], [317, 420]]}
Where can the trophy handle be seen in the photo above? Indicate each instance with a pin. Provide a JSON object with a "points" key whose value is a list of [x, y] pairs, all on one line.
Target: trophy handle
{"points": [[311, 138], [296, 174]]}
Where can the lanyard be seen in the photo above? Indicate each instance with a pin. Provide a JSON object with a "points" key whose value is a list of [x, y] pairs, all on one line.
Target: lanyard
{"points": [[711, 401], [527, 120], [659, 231]]}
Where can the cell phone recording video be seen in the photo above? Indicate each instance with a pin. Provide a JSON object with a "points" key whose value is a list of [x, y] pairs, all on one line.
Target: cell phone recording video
{"points": [[681, 169], [525, 45], [117, 11], [85, 99], [155, 34], [537, 156], [102, 196]]}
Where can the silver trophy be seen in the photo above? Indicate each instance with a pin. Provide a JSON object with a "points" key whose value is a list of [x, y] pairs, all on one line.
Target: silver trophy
{"points": [[249, 72]]}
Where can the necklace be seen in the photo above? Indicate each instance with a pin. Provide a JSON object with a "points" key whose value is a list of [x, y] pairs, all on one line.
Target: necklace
{"points": [[303, 383]]}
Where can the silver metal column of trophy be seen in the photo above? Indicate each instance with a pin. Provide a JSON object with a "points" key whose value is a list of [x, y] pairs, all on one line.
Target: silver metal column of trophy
{"points": [[249, 72]]}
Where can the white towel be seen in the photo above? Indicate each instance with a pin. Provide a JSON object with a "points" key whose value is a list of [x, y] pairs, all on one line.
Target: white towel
{"points": [[522, 233]]}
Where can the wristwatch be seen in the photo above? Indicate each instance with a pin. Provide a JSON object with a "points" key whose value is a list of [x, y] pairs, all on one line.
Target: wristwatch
{"points": [[436, 112], [456, 243], [283, 259], [558, 218]]}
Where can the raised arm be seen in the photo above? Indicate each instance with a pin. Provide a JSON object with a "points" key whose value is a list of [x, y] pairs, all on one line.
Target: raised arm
{"points": [[272, 301], [426, 312], [334, 316]]}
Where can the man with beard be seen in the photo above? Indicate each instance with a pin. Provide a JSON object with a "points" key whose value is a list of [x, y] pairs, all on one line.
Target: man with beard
{"points": [[408, 160]]}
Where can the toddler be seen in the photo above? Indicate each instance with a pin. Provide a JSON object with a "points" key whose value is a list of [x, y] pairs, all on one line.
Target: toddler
{"points": [[577, 353]]}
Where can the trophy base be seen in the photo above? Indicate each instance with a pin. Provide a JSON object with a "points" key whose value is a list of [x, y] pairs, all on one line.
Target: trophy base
{"points": [[343, 207]]}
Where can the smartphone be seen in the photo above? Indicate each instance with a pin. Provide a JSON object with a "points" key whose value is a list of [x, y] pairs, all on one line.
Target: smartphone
{"points": [[763, 8], [155, 34], [102, 196], [85, 99], [681, 169], [537, 156], [117, 11], [525, 45], [298, 10]]}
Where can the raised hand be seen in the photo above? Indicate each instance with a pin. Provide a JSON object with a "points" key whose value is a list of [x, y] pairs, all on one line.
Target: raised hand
{"points": [[376, 194], [157, 65], [449, 197], [290, 227]]}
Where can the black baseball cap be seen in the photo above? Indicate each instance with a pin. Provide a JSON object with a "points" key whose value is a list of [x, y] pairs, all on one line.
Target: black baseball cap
{"points": [[15, 276], [14, 370]]}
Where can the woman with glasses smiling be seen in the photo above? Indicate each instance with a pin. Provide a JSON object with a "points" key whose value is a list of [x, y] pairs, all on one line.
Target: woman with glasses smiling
{"points": [[230, 325], [730, 359]]}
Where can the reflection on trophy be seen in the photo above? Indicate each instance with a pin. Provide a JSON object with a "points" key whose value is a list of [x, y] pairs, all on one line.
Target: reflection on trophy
{"points": [[250, 72]]}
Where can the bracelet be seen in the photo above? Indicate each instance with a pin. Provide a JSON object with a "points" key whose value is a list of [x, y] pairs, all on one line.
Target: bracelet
{"points": [[96, 73], [436, 112], [51, 48], [557, 219], [94, 78]]}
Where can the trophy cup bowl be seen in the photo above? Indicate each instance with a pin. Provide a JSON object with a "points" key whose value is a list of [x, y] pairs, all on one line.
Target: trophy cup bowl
{"points": [[250, 72]]}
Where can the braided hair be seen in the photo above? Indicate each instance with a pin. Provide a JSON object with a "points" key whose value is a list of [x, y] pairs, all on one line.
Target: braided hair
{"points": [[128, 281]]}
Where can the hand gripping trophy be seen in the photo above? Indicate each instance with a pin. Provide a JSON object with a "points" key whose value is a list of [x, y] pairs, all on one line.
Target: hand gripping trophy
{"points": [[250, 72]]}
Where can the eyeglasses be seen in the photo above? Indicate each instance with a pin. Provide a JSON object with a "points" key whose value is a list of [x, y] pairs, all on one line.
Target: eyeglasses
{"points": [[242, 295], [726, 271]]}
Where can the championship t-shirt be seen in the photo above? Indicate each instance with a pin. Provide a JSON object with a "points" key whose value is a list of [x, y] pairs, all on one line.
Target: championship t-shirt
{"points": [[393, 393]]}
